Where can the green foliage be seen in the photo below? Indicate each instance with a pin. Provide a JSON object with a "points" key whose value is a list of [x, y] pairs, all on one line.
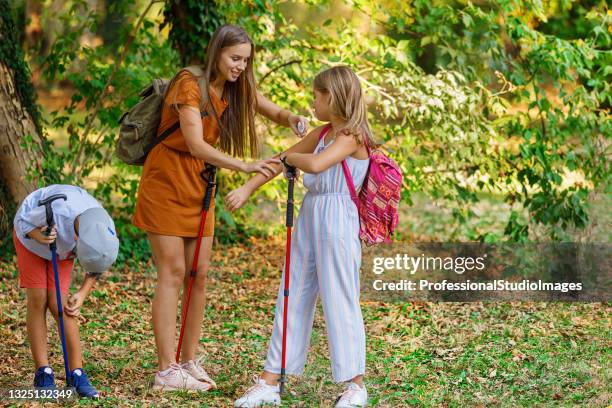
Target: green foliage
{"points": [[88, 159], [423, 120], [495, 98], [192, 24]]}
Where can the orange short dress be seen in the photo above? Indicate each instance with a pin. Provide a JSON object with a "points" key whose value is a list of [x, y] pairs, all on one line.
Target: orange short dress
{"points": [[171, 191]]}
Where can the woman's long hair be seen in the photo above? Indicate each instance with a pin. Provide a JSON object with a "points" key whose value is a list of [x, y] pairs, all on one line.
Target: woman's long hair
{"points": [[237, 123]]}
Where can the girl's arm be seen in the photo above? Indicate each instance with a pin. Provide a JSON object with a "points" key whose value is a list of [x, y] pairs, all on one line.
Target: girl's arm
{"points": [[238, 197], [191, 126], [75, 301], [281, 116], [343, 146]]}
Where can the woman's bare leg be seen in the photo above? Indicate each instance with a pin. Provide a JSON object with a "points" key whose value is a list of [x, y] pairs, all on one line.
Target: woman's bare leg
{"points": [[169, 257]]}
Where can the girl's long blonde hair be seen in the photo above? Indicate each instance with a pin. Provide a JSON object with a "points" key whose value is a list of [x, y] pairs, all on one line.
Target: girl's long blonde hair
{"points": [[347, 100]]}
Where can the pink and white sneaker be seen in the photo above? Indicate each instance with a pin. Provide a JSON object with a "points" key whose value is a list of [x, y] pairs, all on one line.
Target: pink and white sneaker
{"points": [[259, 395], [195, 369], [177, 379], [354, 396]]}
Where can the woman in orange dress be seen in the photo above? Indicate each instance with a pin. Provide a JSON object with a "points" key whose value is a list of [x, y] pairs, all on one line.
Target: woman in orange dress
{"points": [[170, 193]]}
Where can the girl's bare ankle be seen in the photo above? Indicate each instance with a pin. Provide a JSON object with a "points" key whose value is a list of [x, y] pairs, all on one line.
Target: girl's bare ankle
{"points": [[269, 378]]}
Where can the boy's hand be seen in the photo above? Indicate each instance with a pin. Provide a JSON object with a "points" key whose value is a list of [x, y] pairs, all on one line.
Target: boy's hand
{"points": [[75, 301], [38, 235], [237, 198]]}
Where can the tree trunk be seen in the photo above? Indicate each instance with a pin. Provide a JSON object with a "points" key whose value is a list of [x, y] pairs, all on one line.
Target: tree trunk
{"points": [[15, 125], [18, 124]]}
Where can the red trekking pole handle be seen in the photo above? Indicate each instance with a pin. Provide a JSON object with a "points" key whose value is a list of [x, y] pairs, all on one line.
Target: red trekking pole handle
{"points": [[209, 175]]}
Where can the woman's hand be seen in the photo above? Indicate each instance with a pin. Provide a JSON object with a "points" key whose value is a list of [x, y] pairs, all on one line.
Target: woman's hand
{"points": [[264, 167], [298, 124], [237, 198], [38, 235], [75, 301], [283, 117]]}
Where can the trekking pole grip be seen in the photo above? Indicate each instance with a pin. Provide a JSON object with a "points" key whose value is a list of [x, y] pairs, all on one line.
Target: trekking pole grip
{"points": [[49, 210], [289, 222], [209, 174], [291, 171]]}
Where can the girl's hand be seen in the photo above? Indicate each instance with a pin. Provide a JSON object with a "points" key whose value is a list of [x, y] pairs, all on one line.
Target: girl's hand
{"points": [[75, 301], [38, 235], [264, 167], [296, 174], [298, 124], [237, 198]]}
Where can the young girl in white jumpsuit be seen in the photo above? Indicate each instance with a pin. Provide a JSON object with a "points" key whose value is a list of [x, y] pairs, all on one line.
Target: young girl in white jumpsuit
{"points": [[326, 250]]}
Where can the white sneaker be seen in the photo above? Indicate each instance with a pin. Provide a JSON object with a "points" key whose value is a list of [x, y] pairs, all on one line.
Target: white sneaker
{"points": [[259, 394], [178, 379], [196, 370], [353, 396]]}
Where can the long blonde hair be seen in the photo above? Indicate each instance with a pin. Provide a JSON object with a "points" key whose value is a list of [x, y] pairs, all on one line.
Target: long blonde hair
{"points": [[347, 100]]}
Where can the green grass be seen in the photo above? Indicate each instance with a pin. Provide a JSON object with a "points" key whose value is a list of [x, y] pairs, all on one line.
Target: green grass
{"points": [[418, 354]]}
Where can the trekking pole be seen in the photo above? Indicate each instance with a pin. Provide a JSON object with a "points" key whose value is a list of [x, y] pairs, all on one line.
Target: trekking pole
{"points": [[289, 223], [209, 175], [53, 247]]}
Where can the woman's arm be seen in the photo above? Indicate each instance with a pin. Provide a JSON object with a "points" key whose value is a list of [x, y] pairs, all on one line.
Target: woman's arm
{"points": [[191, 126], [278, 115], [343, 146], [238, 197]]}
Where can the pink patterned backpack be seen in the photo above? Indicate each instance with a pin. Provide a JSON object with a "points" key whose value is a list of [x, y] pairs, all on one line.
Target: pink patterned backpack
{"points": [[378, 198]]}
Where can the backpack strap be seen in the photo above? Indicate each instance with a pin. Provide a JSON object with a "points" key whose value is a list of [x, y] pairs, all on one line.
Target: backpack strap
{"points": [[198, 72], [345, 170], [177, 125], [350, 183]]}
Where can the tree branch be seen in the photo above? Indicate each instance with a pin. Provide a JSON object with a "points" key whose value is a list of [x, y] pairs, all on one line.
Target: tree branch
{"points": [[295, 61], [98, 105]]}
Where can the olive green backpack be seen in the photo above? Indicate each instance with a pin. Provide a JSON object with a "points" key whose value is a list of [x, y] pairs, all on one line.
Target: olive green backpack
{"points": [[138, 126]]}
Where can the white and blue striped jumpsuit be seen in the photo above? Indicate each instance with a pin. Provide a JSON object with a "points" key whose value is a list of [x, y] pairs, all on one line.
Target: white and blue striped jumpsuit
{"points": [[325, 260]]}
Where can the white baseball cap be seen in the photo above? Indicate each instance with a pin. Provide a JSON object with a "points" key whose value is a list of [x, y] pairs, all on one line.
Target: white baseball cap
{"points": [[97, 245]]}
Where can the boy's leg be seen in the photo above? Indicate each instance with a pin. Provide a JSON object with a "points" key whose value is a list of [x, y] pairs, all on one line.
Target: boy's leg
{"points": [[33, 277], [36, 324], [71, 329], [71, 324], [338, 264]]}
